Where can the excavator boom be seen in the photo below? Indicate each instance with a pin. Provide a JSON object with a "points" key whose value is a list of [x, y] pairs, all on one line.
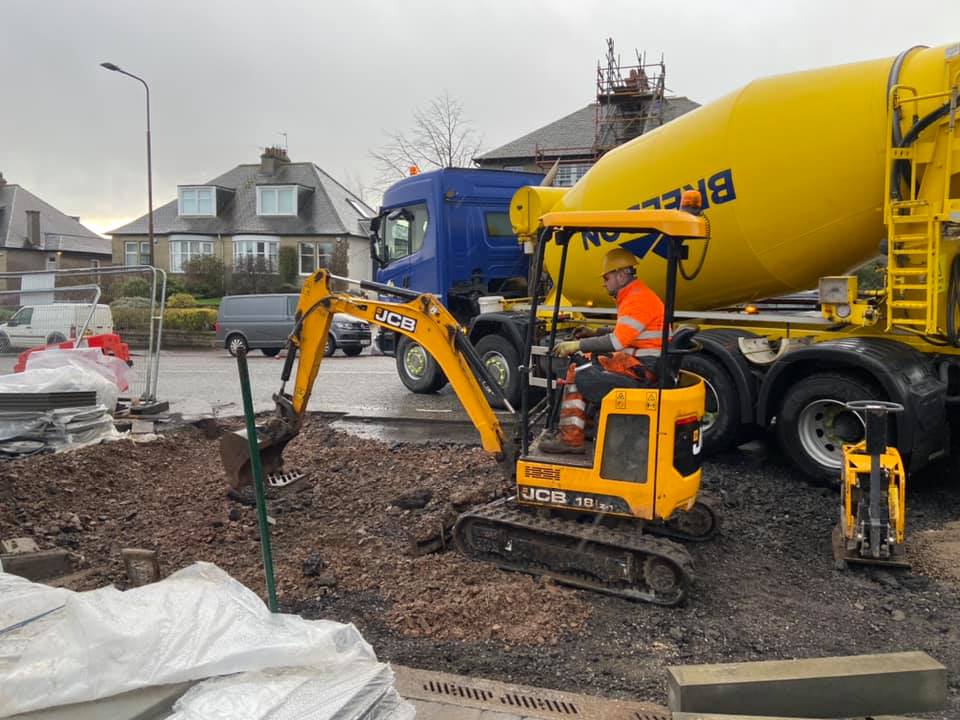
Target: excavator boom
{"points": [[422, 318]]}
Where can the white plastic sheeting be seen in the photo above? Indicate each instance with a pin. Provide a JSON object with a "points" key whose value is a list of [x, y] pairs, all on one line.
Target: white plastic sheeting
{"points": [[356, 690], [59, 647], [111, 368]]}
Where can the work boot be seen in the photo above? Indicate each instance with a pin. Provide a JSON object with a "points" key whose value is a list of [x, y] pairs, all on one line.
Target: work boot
{"points": [[556, 443]]}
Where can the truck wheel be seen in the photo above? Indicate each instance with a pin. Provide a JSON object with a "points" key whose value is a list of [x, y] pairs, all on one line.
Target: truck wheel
{"points": [[417, 368], [501, 360], [56, 338], [721, 419], [5, 345], [352, 350], [813, 425], [235, 343], [271, 352]]}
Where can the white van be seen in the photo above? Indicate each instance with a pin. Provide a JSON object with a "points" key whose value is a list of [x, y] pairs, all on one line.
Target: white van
{"points": [[34, 325]]}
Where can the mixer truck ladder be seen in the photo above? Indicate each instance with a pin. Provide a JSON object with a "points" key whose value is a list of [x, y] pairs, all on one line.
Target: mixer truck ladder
{"points": [[919, 207], [912, 278]]}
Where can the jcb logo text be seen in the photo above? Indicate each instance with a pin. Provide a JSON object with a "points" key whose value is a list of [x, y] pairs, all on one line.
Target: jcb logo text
{"points": [[395, 319]]}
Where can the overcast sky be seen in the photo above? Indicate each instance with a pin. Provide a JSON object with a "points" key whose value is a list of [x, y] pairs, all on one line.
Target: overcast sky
{"points": [[227, 76]]}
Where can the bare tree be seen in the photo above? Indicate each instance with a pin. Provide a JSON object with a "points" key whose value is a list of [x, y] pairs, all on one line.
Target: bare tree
{"points": [[441, 137]]}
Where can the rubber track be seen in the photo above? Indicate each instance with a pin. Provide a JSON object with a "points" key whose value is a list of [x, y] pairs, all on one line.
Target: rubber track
{"points": [[506, 514]]}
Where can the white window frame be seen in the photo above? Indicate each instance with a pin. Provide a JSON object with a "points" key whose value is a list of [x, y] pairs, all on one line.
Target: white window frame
{"points": [[271, 250], [144, 257], [203, 243], [315, 247], [261, 189], [195, 190]]}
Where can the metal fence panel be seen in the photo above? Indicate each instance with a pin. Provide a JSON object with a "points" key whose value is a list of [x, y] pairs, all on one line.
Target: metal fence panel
{"points": [[44, 308]]}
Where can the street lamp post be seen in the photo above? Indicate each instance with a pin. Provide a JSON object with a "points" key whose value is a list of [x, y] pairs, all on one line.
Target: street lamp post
{"points": [[115, 68]]}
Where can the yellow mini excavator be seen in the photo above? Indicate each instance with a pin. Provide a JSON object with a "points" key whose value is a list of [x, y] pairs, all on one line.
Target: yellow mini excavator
{"points": [[606, 520]]}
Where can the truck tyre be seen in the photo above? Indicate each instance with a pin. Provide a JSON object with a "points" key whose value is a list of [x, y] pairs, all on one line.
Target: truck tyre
{"points": [[417, 368], [813, 424], [353, 350], [330, 347], [271, 352], [721, 419], [56, 338], [5, 345], [501, 360]]}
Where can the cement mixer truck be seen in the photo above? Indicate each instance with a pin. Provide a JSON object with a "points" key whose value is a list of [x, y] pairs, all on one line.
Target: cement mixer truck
{"points": [[803, 177]]}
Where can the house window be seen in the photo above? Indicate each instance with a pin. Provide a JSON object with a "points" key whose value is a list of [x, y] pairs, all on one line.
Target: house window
{"points": [[198, 201], [314, 256], [277, 200], [182, 251], [258, 255], [567, 175], [132, 257]]}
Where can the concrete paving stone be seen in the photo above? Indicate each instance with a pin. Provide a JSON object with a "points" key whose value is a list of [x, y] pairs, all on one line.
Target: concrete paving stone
{"points": [[853, 686], [37, 566]]}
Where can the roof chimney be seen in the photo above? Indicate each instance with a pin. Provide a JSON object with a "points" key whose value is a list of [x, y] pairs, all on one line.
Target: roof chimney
{"points": [[271, 159], [33, 228]]}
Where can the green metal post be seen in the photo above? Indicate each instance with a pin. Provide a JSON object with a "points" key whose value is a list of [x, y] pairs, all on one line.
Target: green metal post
{"points": [[257, 471]]}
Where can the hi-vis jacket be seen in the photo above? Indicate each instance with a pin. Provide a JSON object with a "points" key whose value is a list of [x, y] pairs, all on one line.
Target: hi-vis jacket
{"points": [[639, 321], [637, 333]]}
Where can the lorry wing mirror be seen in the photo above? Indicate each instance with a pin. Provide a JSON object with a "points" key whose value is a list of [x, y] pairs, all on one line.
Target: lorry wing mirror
{"points": [[378, 248]]}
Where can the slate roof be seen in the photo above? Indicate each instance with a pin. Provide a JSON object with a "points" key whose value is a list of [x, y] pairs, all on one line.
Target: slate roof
{"points": [[325, 207], [576, 130], [61, 231]]}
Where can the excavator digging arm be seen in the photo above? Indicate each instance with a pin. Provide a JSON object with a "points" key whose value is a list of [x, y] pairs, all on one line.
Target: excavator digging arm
{"points": [[422, 318]]}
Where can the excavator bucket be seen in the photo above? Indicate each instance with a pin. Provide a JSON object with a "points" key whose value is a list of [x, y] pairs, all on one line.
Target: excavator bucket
{"points": [[235, 457]]}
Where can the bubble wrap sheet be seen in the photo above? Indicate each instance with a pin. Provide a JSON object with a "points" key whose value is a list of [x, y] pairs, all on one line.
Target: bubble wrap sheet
{"points": [[59, 647]]}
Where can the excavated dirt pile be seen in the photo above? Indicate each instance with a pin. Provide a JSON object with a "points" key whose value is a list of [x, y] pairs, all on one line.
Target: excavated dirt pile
{"points": [[343, 540]]}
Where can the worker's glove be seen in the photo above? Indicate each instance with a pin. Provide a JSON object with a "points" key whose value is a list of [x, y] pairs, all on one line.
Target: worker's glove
{"points": [[565, 348]]}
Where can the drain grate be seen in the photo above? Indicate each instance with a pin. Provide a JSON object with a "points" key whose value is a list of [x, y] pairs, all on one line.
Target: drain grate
{"points": [[508, 700], [459, 691], [529, 702]]}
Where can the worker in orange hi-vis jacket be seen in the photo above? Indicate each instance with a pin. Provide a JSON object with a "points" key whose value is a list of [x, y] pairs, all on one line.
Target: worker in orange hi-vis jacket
{"points": [[634, 343]]}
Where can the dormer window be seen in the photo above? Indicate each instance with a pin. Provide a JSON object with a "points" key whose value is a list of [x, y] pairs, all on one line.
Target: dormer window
{"points": [[276, 200], [198, 201]]}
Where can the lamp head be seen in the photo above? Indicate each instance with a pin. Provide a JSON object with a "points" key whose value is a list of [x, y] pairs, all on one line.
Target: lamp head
{"points": [[110, 66]]}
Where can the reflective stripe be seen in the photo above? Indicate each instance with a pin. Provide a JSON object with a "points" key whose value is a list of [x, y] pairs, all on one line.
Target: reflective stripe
{"points": [[578, 404], [632, 322], [617, 342], [575, 421], [642, 352], [650, 335]]}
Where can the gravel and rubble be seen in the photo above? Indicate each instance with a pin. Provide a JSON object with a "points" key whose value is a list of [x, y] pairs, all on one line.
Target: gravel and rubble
{"points": [[766, 587]]}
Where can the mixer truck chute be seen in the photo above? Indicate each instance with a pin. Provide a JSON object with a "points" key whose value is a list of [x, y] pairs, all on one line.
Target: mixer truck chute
{"points": [[806, 176]]}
